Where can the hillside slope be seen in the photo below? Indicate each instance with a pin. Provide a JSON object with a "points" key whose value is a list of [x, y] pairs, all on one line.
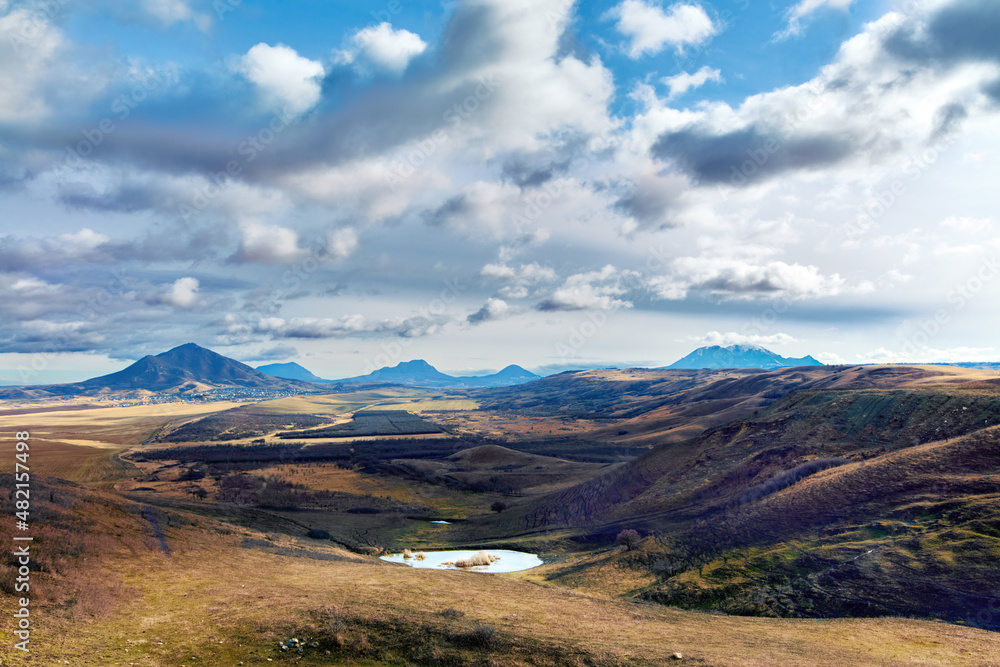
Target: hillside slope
{"points": [[123, 583], [800, 490]]}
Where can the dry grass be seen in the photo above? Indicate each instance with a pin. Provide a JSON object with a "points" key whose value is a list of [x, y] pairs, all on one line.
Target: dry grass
{"points": [[122, 601]]}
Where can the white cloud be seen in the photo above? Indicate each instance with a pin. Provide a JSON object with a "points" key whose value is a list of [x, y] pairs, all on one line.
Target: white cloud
{"points": [[283, 76], [742, 278], [170, 12], [683, 82], [38, 71], [267, 244], [493, 309], [734, 338], [342, 243], [969, 226], [346, 326], [651, 29], [591, 290], [798, 14], [384, 47], [183, 293], [82, 242], [525, 273]]}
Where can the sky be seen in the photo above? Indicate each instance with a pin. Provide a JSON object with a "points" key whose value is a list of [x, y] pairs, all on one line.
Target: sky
{"points": [[478, 183]]}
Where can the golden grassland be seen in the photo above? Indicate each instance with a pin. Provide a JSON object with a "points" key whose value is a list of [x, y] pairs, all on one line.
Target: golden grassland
{"points": [[213, 602], [108, 595], [390, 398]]}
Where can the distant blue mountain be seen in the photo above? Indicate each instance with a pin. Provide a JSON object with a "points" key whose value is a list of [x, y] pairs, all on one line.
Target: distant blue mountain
{"points": [[290, 371], [419, 373], [739, 356]]}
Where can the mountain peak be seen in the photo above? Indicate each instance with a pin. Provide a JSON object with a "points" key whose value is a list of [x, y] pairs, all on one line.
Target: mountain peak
{"points": [[414, 363], [290, 371], [739, 356], [418, 372]]}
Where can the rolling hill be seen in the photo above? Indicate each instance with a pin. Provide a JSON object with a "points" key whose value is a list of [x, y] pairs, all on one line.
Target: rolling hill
{"points": [[869, 491]]}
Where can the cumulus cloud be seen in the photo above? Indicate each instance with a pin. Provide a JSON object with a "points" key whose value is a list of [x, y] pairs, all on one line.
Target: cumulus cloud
{"points": [[591, 290], [525, 273], [899, 84], [183, 293], [169, 12], [386, 48], [741, 278], [734, 338], [283, 77], [651, 29], [38, 74], [798, 15], [683, 82], [348, 326], [342, 243], [267, 244], [493, 309]]}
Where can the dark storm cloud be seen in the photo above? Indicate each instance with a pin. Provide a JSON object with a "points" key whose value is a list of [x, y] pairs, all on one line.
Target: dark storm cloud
{"points": [[963, 31], [718, 158]]}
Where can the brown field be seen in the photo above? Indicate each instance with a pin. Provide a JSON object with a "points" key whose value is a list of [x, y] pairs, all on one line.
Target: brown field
{"points": [[212, 601], [239, 578]]}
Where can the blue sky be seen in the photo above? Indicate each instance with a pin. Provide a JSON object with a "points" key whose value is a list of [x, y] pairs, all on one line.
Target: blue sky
{"points": [[484, 182]]}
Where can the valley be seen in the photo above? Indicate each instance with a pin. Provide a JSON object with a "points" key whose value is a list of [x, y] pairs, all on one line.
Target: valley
{"points": [[834, 515]]}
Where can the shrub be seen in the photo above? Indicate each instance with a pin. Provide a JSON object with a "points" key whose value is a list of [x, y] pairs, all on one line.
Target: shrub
{"points": [[498, 506], [483, 635], [629, 539]]}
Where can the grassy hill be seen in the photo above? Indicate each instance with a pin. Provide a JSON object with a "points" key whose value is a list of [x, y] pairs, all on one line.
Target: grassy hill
{"points": [[830, 502], [122, 583], [798, 517]]}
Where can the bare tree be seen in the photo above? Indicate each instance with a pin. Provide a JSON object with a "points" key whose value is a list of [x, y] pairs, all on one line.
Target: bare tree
{"points": [[629, 538]]}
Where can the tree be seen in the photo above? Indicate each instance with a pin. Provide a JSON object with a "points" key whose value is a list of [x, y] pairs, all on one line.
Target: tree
{"points": [[629, 539], [498, 506]]}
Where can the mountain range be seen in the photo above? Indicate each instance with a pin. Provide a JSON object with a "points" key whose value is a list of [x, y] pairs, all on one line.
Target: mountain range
{"points": [[415, 373], [189, 368], [739, 356]]}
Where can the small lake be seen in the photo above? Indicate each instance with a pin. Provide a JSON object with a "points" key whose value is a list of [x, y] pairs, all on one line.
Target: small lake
{"points": [[510, 561]]}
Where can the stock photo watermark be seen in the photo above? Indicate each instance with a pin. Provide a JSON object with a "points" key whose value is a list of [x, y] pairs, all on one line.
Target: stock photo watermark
{"points": [[249, 150], [404, 167], [960, 296], [21, 549]]}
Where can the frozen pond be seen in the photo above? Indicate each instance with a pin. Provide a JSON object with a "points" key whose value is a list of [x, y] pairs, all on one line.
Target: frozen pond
{"points": [[510, 561]]}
